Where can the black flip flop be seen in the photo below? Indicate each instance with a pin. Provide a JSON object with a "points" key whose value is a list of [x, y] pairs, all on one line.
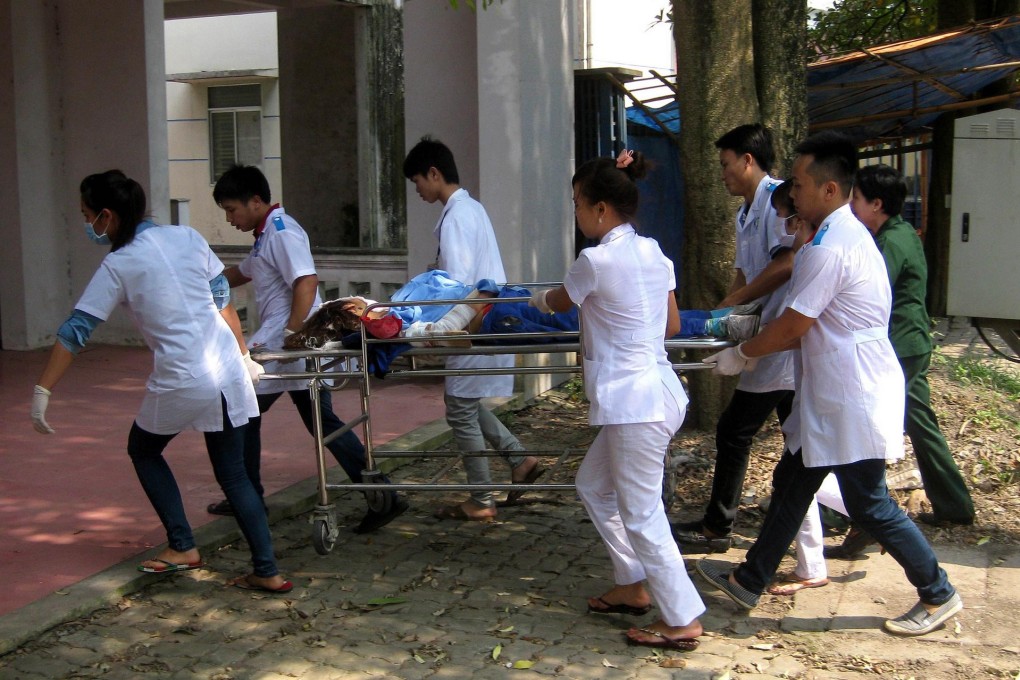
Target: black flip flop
{"points": [[619, 609], [536, 472]]}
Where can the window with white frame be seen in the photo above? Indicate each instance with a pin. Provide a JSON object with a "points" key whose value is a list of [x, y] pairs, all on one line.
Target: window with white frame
{"points": [[235, 127]]}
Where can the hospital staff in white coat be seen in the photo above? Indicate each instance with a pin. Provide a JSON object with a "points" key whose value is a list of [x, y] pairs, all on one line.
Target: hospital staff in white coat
{"points": [[851, 393], [168, 280], [624, 287], [468, 252]]}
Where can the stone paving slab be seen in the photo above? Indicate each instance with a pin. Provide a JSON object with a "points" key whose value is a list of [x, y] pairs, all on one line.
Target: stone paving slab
{"points": [[425, 598], [431, 599]]}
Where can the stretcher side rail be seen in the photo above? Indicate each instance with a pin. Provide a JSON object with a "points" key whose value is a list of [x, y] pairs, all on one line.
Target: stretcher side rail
{"points": [[334, 367]]}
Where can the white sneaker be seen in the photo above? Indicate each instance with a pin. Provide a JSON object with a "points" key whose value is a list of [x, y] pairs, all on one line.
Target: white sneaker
{"points": [[740, 327], [919, 621]]}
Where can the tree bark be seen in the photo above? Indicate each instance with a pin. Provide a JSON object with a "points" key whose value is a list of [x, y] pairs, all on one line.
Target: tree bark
{"points": [[780, 73], [716, 93]]}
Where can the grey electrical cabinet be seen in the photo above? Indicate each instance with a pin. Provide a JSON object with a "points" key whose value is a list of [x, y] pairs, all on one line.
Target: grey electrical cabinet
{"points": [[984, 246]]}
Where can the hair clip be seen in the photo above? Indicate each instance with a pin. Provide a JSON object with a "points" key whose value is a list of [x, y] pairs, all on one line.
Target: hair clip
{"points": [[624, 159]]}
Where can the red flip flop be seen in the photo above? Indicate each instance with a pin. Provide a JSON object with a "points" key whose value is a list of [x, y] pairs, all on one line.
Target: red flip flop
{"points": [[243, 583]]}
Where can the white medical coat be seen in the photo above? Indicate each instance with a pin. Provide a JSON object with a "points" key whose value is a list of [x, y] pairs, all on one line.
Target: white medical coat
{"points": [[757, 241], [280, 256], [468, 252], [162, 279], [621, 285], [851, 393]]}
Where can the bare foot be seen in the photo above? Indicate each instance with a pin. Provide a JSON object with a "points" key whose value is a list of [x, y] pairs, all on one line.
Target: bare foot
{"points": [[791, 583], [521, 472], [632, 595], [468, 510], [159, 562]]}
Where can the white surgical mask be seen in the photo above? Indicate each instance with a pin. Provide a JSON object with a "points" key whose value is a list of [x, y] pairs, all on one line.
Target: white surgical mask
{"points": [[785, 239], [98, 239]]}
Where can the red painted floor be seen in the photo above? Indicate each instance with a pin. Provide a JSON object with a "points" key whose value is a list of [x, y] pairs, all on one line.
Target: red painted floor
{"points": [[70, 505]]}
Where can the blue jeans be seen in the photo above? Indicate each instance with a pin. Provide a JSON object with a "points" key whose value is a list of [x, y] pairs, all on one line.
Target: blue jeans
{"points": [[226, 454], [867, 499]]}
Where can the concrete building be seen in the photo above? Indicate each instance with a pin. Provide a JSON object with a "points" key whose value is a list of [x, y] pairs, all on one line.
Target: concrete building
{"points": [[325, 95]]}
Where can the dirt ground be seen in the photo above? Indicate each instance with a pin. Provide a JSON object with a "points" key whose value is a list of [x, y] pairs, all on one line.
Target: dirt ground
{"points": [[981, 426]]}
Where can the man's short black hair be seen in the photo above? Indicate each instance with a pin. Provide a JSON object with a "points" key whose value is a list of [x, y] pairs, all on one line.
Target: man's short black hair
{"points": [[835, 158], [431, 153], [242, 183], [752, 138], [885, 183]]}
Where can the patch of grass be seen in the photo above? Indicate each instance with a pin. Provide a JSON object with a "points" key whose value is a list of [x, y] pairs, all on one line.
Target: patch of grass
{"points": [[976, 372], [573, 389]]}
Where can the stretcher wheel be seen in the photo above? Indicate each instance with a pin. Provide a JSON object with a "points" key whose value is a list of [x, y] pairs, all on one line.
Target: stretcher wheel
{"points": [[322, 538], [379, 501]]}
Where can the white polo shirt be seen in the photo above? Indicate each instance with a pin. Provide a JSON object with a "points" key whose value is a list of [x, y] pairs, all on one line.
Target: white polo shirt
{"points": [[280, 256], [851, 393], [622, 286], [162, 278], [757, 241]]}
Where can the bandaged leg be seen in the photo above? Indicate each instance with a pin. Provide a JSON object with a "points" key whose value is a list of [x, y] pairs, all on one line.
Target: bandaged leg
{"points": [[453, 323], [456, 319]]}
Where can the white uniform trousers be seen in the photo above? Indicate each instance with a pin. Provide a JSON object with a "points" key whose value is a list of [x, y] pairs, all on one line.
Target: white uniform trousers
{"points": [[620, 484], [810, 538]]}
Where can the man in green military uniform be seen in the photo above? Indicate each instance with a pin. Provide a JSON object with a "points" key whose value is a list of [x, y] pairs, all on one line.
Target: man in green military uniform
{"points": [[878, 196]]}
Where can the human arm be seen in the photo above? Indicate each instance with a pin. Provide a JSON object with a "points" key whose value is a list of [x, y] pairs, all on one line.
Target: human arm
{"points": [[781, 334], [738, 282], [775, 274], [229, 314], [551, 300], [672, 315], [235, 277], [58, 363], [304, 290]]}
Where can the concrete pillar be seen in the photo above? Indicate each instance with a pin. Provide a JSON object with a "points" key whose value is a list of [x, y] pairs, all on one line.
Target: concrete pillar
{"points": [[441, 99], [87, 94], [341, 112], [526, 132], [318, 121], [380, 97]]}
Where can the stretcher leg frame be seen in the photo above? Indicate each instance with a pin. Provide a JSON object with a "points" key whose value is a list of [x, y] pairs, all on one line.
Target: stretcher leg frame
{"points": [[321, 368]]}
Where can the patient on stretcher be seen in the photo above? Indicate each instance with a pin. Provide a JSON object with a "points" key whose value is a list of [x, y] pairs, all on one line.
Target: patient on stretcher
{"points": [[433, 325]]}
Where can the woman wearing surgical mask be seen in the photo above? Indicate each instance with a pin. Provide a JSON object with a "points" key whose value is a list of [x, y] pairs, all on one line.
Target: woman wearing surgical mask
{"points": [[172, 286]]}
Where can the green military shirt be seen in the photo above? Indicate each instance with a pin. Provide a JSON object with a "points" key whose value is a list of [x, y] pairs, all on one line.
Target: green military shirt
{"points": [[909, 325]]}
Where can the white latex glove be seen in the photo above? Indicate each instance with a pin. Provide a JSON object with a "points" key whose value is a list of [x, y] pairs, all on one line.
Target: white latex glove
{"points": [[287, 333], [40, 400], [255, 369], [731, 361], [537, 300]]}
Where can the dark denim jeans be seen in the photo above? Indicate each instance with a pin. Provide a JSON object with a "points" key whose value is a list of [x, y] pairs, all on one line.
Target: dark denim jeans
{"points": [[226, 454], [871, 508], [347, 449], [743, 417]]}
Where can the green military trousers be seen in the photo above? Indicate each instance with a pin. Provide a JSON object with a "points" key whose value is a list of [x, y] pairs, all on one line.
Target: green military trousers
{"points": [[943, 482]]}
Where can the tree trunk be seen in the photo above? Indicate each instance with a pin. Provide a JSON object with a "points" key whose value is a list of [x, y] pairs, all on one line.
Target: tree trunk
{"points": [[780, 67], [716, 93]]}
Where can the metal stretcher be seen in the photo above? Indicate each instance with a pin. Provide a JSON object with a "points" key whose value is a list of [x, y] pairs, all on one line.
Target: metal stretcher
{"points": [[333, 367]]}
